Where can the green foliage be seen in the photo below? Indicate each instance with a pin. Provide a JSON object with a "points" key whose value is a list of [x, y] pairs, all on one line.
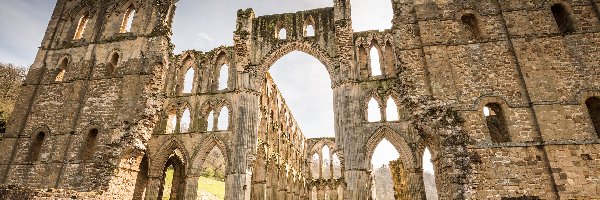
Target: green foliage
{"points": [[11, 78], [208, 173]]}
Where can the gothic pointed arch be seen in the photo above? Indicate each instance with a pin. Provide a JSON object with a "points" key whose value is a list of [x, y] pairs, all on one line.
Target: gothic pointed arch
{"points": [[203, 149], [174, 147], [403, 148]]}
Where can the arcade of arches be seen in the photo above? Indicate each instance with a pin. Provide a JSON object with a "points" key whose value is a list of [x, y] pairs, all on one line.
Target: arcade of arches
{"points": [[506, 109]]}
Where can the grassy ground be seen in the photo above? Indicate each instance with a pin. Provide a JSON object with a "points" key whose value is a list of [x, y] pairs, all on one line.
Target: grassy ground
{"points": [[215, 187], [210, 185]]}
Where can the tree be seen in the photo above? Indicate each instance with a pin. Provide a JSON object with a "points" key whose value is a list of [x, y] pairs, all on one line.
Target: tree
{"points": [[11, 78]]}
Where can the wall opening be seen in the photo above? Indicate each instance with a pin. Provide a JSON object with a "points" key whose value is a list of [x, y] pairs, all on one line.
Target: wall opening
{"points": [[373, 112], [89, 145], [315, 167], [36, 147], [326, 169], [391, 110], [371, 15], [337, 166], [185, 122], [114, 61], [210, 121], [62, 70], [171, 122], [305, 83], [223, 120], [127, 22], [282, 34], [471, 25], [375, 62], [81, 27], [381, 175], [173, 181], [310, 31], [496, 123], [593, 106], [562, 18], [211, 184], [429, 176], [188, 81], [223, 77], [141, 181]]}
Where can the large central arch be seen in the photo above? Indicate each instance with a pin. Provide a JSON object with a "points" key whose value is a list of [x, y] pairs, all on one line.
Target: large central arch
{"points": [[306, 47]]}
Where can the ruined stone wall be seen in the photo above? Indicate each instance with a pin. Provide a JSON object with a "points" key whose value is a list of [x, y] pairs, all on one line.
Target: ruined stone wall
{"points": [[279, 169], [447, 65]]}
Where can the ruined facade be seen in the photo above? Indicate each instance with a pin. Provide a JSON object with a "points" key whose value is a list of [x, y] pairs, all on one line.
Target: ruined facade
{"points": [[505, 94]]}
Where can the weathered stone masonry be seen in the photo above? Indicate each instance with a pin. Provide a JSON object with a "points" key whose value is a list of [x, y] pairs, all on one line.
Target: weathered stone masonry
{"points": [[505, 94]]}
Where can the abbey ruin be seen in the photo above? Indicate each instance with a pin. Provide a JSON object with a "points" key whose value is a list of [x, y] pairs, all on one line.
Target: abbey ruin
{"points": [[505, 94]]}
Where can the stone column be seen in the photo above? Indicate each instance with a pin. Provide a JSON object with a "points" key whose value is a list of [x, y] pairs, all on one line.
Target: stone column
{"points": [[191, 187], [153, 188]]}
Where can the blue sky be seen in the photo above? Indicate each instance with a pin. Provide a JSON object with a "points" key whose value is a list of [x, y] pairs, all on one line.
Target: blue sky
{"points": [[207, 24]]}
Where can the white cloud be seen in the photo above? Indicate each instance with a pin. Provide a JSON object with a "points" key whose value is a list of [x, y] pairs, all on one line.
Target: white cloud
{"points": [[205, 37]]}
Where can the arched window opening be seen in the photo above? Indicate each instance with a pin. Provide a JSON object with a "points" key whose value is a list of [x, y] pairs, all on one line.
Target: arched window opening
{"points": [[212, 175], [471, 25], [371, 15], [562, 18], [184, 125], [337, 166], [127, 20], [373, 112], [89, 145], [36, 146], [141, 181], [496, 123], [593, 106], [223, 77], [429, 176], [223, 121], [210, 121], [315, 166], [381, 175], [326, 169], [114, 61], [81, 27], [188, 81], [375, 62], [300, 73], [310, 30], [171, 122], [60, 76], [282, 34], [173, 179], [391, 110]]}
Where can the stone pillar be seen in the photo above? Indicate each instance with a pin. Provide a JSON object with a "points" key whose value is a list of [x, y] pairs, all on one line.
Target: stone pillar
{"points": [[153, 188], [191, 187], [358, 184], [260, 190]]}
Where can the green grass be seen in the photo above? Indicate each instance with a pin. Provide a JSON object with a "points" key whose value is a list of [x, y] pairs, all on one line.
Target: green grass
{"points": [[210, 185], [215, 187]]}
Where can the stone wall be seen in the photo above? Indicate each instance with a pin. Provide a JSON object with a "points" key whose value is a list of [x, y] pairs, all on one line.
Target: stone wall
{"points": [[450, 66]]}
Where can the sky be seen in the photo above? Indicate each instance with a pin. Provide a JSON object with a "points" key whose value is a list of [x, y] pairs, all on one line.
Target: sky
{"points": [[207, 24]]}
